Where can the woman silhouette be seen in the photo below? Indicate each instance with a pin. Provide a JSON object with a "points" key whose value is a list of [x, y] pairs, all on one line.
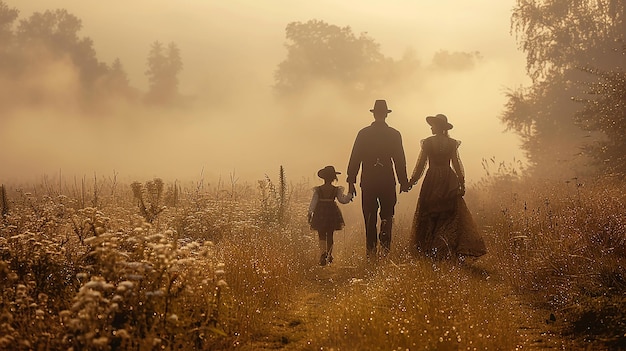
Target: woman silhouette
{"points": [[443, 226]]}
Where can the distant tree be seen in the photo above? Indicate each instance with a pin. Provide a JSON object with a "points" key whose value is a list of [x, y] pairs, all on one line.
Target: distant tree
{"points": [[164, 65], [561, 38], [7, 19], [9, 59], [118, 74], [558, 35], [543, 117], [56, 32], [116, 83], [318, 51]]}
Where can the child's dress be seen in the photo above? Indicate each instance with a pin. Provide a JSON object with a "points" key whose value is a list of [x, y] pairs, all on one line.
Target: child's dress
{"points": [[326, 213]]}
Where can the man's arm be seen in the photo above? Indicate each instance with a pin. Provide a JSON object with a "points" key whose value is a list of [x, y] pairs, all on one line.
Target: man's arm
{"points": [[354, 164], [399, 161], [420, 166]]}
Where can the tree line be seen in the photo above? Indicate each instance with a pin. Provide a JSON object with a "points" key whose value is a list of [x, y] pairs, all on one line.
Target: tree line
{"points": [[317, 53], [573, 115], [28, 45]]}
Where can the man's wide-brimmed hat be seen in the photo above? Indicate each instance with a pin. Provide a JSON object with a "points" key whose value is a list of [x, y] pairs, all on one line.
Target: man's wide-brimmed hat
{"points": [[380, 105], [440, 120], [327, 172]]}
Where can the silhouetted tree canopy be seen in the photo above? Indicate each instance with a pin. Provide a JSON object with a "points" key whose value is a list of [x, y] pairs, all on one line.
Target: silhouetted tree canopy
{"points": [[561, 38], [164, 65], [557, 35], [56, 32], [33, 49], [7, 18], [322, 52]]}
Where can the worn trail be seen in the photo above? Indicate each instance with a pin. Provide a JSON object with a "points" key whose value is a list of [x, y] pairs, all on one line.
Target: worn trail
{"points": [[295, 327]]}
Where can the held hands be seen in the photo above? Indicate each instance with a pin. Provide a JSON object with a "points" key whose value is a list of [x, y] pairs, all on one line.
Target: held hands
{"points": [[352, 190], [408, 186], [309, 217], [405, 188]]}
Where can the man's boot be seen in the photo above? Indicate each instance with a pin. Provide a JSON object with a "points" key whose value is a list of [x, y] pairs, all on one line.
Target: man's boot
{"points": [[386, 225]]}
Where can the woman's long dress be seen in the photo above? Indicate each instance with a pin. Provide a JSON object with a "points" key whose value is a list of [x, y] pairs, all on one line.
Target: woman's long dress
{"points": [[443, 227]]}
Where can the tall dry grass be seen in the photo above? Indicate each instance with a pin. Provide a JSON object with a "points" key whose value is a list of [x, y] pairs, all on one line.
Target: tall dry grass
{"points": [[151, 266], [562, 243], [215, 269]]}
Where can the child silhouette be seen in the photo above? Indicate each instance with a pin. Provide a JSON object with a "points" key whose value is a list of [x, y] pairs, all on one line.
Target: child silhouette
{"points": [[324, 214]]}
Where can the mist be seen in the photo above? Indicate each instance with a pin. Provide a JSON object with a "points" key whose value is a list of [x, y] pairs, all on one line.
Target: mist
{"points": [[234, 125]]}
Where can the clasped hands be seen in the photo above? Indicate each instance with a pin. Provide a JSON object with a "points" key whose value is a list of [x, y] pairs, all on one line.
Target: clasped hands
{"points": [[352, 190], [406, 187], [462, 189]]}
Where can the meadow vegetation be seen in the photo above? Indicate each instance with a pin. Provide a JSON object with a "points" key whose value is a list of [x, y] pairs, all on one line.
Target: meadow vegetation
{"points": [[562, 245], [152, 265]]}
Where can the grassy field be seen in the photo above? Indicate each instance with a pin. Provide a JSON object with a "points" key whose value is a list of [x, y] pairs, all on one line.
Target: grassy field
{"points": [[98, 265]]}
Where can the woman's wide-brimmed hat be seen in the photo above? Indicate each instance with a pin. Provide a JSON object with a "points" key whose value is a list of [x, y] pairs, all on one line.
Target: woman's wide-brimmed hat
{"points": [[328, 172], [440, 120], [380, 105]]}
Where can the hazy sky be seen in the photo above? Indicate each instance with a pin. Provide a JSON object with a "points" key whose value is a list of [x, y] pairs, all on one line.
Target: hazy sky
{"points": [[230, 50]]}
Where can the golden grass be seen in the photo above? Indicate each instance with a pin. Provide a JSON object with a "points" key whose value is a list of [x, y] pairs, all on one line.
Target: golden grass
{"points": [[563, 244], [554, 247], [417, 306]]}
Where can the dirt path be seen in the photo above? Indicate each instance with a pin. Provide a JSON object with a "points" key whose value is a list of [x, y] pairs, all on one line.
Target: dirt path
{"points": [[292, 328]]}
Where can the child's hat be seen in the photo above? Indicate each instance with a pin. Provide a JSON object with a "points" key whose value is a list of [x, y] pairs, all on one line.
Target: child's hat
{"points": [[327, 172]]}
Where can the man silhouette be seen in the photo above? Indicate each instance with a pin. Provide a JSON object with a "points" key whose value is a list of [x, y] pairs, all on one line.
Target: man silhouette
{"points": [[378, 150]]}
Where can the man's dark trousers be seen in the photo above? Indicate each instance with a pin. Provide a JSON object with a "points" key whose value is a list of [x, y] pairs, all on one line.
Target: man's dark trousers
{"points": [[373, 198]]}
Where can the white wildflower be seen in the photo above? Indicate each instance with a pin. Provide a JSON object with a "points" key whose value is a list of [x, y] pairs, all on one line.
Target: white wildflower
{"points": [[173, 318], [122, 333], [127, 284], [94, 284], [155, 293], [6, 341], [134, 277], [101, 341], [21, 289]]}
